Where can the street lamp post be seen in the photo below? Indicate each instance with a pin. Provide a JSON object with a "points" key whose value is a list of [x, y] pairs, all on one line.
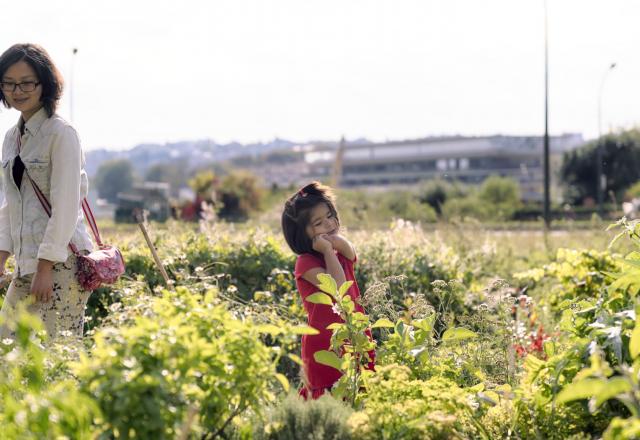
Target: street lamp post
{"points": [[600, 177]]}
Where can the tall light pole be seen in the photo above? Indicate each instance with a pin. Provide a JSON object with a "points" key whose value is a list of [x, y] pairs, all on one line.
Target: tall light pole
{"points": [[73, 61], [547, 197], [601, 179]]}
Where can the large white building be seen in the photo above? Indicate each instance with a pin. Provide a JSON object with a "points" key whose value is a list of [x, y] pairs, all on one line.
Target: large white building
{"points": [[467, 159]]}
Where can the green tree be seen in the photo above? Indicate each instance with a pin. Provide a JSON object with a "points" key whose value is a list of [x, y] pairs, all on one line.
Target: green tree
{"points": [[436, 192], [621, 162], [173, 173], [500, 190], [502, 194], [240, 194], [203, 184], [114, 176]]}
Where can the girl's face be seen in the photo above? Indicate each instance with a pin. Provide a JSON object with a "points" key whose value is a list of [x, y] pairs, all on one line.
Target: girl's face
{"points": [[321, 221], [26, 102]]}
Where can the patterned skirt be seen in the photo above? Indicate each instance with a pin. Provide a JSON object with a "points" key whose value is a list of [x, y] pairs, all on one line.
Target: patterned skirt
{"points": [[63, 315]]}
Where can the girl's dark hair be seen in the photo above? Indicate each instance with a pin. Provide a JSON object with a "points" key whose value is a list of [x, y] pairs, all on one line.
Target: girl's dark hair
{"points": [[48, 75], [297, 213]]}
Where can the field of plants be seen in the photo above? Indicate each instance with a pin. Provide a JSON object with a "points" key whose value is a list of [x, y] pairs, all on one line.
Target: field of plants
{"points": [[478, 334]]}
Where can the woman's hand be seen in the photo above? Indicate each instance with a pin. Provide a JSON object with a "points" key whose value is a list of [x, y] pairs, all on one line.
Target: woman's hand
{"points": [[4, 255], [42, 282], [322, 244]]}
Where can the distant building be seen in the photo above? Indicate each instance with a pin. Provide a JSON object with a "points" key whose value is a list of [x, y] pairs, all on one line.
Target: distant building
{"points": [[467, 159]]}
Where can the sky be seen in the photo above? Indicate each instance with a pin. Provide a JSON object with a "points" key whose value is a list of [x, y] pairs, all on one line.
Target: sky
{"points": [[252, 70]]}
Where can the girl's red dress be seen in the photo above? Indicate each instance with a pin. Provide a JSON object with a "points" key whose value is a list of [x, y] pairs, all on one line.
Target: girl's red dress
{"points": [[321, 377]]}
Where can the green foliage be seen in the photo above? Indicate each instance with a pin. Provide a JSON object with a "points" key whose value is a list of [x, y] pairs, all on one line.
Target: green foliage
{"points": [[498, 198], [295, 418], [623, 429], [469, 207], [575, 274], [212, 356], [183, 364], [350, 344], [203, 184], [633, 191], [240, 194], [375, 209], [33, 403], [113, 177], [597, 357], [621, 160], [173, 173], [436, 192], [399, 407], [502, 194]]}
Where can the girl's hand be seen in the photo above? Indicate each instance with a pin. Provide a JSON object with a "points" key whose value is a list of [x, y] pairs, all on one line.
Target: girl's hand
{"points": [[322, 244], [336, 239], [343, 246], [42, 282]]}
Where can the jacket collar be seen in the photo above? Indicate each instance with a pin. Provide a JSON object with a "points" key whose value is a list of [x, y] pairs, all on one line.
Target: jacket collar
{"points": [[35, 122]]}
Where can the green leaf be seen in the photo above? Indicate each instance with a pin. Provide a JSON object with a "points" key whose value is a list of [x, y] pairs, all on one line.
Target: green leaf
{"points": [[334, 326], [615, 386], [283, 381], [295, 358], [320, 298], [269, 329], [383, 323], [633, 263], [425, 324], [304, 330], [634, 344], [458, 334], [490, 397], [347, 304], [327, 284], [329, 358], [583, 389], [345, 286]]}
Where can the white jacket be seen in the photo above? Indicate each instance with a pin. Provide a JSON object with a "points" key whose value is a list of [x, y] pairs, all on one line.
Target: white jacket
{"points": [[53, 158]]}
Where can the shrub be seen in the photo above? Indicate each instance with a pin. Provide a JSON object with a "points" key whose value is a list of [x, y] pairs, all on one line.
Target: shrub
{"points": [[295, 418], [401, 408], [184, 363], [437, 191], [33, 404], [469, 207], [240, 194]]}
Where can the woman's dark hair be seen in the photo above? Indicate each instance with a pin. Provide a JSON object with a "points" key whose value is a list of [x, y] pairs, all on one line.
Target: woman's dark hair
{"points": [[48, 75], [297, 210]]}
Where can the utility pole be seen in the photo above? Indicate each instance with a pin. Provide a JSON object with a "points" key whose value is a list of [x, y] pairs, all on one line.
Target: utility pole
{"points": [[601, 179], [547, 200]]}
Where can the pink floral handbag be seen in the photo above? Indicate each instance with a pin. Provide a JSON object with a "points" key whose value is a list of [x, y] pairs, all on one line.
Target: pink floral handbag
{"points": [[103, 266]]}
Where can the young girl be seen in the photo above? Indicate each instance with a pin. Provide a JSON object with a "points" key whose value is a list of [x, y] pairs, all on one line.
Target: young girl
{"points": [[311, 227], [44, 148]]}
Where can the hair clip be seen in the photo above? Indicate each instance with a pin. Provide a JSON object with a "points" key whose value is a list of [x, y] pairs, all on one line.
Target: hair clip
{"points": [[302, 193]]}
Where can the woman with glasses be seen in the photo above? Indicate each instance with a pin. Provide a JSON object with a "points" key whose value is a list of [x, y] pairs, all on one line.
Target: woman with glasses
{"points": [[41, 156]]}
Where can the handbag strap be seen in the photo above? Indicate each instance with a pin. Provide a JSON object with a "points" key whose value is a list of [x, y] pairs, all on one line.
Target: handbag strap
{"points": [[88, 214]]}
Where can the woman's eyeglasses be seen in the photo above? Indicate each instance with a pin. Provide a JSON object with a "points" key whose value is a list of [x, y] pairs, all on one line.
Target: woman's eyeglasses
{"points": [[27, 86]]}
